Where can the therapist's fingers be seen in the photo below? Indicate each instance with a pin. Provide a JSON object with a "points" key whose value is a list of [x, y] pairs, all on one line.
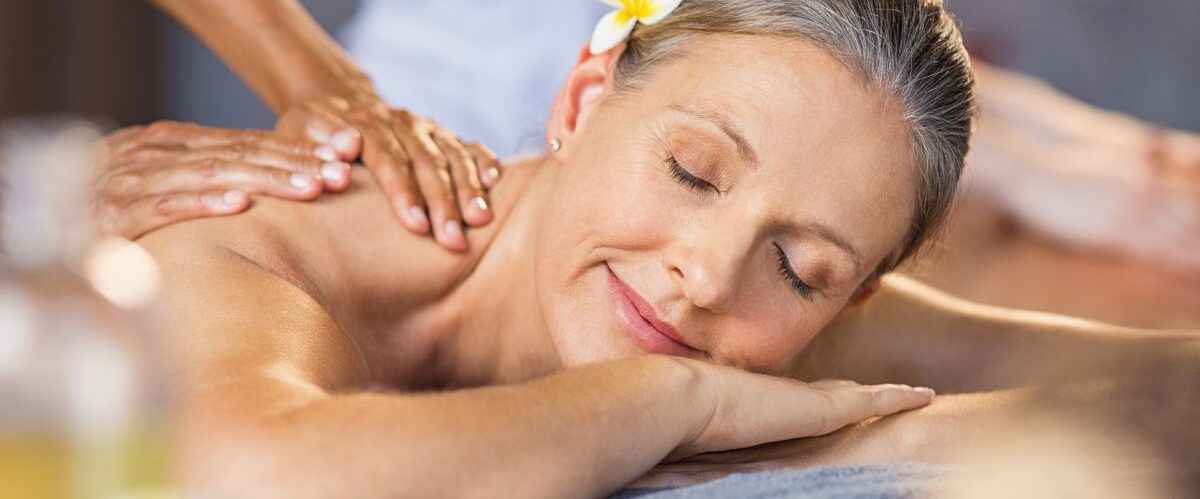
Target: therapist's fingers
{"points": [[432, 171], [175, 135], [152, 212], [391, 166], [133, 201], [472, 198], [208, 174], [325, 122], [487, 162]]}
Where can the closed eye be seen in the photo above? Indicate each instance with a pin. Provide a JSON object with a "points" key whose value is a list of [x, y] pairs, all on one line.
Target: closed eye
{"points": [[785, 269], [686, 178]]}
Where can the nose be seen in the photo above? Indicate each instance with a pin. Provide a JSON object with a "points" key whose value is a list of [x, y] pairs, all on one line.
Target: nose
{"points": [[707, 267]]}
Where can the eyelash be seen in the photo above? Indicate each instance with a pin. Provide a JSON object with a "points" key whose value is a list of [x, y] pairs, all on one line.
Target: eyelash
{"points": [[785, 269], [687, 179]]}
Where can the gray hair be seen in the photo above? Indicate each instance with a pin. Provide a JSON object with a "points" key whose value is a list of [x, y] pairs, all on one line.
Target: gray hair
{"points": [[909, 48]]}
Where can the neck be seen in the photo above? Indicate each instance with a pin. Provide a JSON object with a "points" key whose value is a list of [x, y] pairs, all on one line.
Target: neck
{"points": [[499, 335]]}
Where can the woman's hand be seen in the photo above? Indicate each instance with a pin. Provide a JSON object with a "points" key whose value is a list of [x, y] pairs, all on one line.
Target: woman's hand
{"points": [[167, 172], [432, 178], [747, 409]]}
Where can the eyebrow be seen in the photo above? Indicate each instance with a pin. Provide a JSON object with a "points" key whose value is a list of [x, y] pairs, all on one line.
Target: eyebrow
{"points": [[721, 121], [828, 234]]}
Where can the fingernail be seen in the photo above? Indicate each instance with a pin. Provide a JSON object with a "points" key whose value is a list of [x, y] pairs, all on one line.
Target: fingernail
{"points": [[490, 175], [224, 202], [345, 140], [233, 198], [926, 391], [334, 173], [453, 229], [326, 153], [479, 203], [301, 181], [417, 216]]}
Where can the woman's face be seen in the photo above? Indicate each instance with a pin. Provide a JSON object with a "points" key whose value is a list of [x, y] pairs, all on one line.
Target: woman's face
{"points": [[735, 202]]}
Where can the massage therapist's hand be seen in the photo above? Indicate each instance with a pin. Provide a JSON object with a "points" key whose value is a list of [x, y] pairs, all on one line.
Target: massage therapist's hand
{"points": [[747, 409], [432, 179], [168, 172]]}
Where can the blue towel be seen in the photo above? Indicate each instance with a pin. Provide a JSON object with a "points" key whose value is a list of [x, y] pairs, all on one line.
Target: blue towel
{"points": [[841, 482]]}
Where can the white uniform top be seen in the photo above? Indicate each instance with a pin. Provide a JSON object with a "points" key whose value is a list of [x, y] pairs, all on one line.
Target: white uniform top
{"points": [[486, 69]]}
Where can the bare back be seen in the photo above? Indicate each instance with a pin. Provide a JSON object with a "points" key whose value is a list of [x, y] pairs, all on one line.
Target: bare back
{"points": [[306, 298]]}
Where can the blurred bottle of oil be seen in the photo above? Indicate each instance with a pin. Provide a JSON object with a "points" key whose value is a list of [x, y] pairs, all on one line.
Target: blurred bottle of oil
{"points": [[80, 413]]}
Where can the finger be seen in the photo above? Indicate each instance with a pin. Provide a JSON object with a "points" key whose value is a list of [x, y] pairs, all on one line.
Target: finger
{"points": [[151, 212], [250, 152], [334, 175], [855, 404], [120, 139], [196, 136], [322, 126], [389, 163], [142, 153], [472, 199], [488, 163], [130, 138], [829, 384], [309, 121], [431, 169], [209, 174], [334, 130]]}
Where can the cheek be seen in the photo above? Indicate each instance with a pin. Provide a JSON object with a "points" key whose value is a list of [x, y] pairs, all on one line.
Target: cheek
{"points": [[770, 329], [767, 344], [604, 199], [599, 211]]}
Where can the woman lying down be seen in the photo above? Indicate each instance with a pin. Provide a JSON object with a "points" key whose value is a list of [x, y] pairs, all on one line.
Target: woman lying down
{"points": [[721, 196]]}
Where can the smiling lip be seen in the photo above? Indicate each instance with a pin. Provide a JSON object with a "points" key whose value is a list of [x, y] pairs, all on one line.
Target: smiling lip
{"points": [[647, 330]]}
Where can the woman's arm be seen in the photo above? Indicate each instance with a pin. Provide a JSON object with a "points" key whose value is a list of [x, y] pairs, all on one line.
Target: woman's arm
{"points": [[272, 401], [911, 333], [272, 404]]}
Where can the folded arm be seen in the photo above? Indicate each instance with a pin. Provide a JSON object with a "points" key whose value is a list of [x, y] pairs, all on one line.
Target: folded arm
{"points": [[274, 395], [273, 402]]}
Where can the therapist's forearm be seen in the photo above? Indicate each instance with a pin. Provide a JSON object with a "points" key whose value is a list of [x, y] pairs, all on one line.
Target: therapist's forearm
{"points": [[274, 46]]}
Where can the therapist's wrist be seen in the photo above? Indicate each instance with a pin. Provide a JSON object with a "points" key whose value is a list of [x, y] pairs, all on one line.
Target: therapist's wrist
{"points": [[306, 82], [323, 85], [301, 72]]}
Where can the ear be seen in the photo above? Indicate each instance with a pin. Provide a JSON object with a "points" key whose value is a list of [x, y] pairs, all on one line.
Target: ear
{"points": [[589, 82], [868, 290]]}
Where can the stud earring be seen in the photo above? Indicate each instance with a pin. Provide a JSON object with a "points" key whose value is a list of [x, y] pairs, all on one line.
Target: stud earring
{"points": [[555, 145]]}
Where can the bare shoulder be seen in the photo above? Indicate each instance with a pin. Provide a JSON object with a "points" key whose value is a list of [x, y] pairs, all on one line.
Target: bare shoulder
{"points": [[232, 328], [300, 285]]}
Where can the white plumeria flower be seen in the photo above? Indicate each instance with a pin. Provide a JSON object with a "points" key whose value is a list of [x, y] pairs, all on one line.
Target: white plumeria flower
{"points": [[616, 26]]}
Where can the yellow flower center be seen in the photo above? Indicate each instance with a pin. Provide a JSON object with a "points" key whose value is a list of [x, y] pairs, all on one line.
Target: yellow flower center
{"points": [[639, 9]]}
